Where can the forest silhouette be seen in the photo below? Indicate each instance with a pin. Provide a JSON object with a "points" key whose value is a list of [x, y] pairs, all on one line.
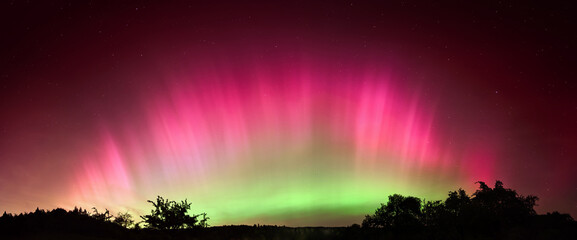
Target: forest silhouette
{"points": [[489, 213]]}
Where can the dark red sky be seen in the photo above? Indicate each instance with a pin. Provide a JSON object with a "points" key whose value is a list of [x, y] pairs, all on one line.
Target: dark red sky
{"points": [[499, 73]]}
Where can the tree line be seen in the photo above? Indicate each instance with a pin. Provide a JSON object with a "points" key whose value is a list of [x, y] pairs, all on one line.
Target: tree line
{"points": [[489, 213], [165, 215]]}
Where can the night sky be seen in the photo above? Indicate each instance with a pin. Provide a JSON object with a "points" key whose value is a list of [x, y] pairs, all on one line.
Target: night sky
{"points": [[293, 114]]}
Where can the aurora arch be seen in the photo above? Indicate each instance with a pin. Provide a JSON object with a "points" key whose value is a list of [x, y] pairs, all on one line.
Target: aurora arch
{"points": [[280, 142]]}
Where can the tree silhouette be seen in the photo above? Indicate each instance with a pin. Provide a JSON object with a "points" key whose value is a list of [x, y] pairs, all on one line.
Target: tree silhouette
{"points": [[458, 202], [488, 213], [124, 220], [105, 216], [435, 213], [503, 205], [204, 221], [172, 215], [400, 211]]}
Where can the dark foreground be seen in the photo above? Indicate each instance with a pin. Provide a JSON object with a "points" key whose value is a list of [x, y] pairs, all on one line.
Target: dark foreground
{"points": [[273, 232], [492, 213]]}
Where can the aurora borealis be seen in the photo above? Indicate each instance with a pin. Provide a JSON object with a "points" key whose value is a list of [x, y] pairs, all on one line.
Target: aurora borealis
{"points": [[297, 114]]}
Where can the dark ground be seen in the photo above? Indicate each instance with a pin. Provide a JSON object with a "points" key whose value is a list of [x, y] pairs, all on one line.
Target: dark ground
{"points": [[273, 232]]}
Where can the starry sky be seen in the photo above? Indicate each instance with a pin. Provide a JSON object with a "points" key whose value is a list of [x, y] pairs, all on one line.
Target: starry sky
{"points": [[297, 113]]}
